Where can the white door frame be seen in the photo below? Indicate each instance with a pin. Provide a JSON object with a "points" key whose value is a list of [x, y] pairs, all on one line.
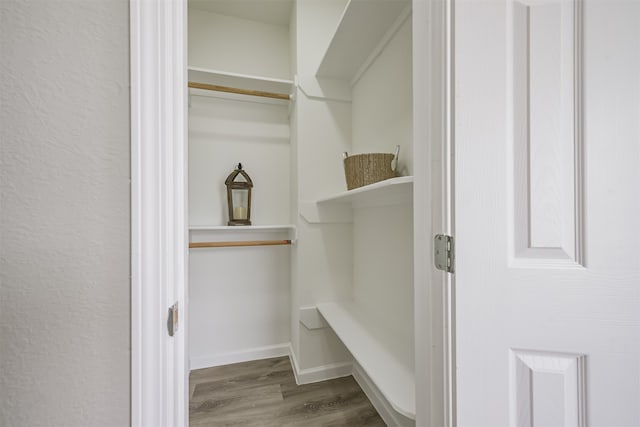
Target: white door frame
{"points": [[159, 365], [433, 210], [159, 368]]}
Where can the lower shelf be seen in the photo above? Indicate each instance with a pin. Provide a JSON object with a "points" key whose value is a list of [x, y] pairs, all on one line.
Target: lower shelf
{"points": [[394, 379], [205, 236]]}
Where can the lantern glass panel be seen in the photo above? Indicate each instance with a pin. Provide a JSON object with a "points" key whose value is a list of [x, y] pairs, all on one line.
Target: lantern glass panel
{"points": [[240, 199]]}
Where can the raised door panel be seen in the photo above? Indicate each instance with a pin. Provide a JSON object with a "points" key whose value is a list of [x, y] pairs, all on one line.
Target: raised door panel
{"points": [[547, 389], [546, 143]]}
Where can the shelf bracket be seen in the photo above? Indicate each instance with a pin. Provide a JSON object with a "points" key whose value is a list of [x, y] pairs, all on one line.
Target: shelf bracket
{"points": [[314, 213], [311, 318]]}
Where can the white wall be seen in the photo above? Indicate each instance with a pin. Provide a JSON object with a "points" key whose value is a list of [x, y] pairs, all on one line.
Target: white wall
{"points": [[237, 45], [240, 300], [316, 20], [383, 236], [383, 102], [294, 190], [323, 268], [223, 132], [370, 260], [64, 213]]}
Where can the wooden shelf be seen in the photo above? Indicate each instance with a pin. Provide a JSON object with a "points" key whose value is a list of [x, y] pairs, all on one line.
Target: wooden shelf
{"points": [[364, 29], [388, 192], [241, 81], [390, 374]]}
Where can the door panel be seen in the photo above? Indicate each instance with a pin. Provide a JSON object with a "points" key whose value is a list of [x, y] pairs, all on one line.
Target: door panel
{"points": [[543, 54], [547, 212], [546, 389]]}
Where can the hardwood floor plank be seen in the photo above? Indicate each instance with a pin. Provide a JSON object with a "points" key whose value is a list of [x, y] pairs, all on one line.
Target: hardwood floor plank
{"points": [[334, 386], [246, 369], [246, 404], [313, 407], [264, 393], [231, 386], [360, 416]]}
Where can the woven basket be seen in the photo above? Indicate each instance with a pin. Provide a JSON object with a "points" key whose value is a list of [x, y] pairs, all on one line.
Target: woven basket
{"points": [[365, 169]]}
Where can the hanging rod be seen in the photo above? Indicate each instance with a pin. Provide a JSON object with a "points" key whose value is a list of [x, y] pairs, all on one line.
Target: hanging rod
{"points": [[239, 243], [206, 86]]}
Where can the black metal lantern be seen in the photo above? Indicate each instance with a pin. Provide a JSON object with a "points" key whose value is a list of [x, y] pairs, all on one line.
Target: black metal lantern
{"points": [[239, 186]]}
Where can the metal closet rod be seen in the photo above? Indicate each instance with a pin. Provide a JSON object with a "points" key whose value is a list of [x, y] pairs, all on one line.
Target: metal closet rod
{"points": [[217, 88], [239, 243]]}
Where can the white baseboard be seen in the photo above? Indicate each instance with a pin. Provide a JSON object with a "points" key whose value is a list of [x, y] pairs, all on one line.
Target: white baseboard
{"points": [[389, 415], [318, 373], [246, 355]]}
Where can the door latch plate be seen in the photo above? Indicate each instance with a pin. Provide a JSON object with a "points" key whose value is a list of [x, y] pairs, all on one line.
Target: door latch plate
{"points": [[172, 320]]}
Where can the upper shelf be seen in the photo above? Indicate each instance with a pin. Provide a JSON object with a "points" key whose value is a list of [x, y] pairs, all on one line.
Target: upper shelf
{"points": [[240, 81], [365, 27], [388, 192], [338, 208]]}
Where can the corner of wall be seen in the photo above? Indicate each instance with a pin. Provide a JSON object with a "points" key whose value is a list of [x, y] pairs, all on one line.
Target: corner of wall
{"points": [[322, 132]]}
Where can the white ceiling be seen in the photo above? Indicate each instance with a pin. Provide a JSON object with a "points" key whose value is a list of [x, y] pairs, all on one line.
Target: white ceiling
{"points": [[275, 12]]}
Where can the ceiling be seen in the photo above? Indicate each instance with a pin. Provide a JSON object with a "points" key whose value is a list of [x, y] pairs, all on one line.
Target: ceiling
{"points": [[275, 12]]}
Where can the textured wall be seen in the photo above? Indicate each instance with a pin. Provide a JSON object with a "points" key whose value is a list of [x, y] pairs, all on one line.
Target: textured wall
{"points": [[236, 45], [64, 213]]}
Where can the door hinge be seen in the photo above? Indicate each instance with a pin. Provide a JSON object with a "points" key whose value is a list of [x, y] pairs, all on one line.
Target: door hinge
{"points": [[443, 252], [172, 320]]}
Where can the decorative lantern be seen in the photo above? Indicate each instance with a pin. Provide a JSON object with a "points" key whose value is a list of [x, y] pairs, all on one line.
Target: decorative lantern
{"points": [[239, 197]]}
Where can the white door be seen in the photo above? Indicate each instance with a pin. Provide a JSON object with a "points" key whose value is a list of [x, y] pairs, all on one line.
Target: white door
{"points": [[547, 212]]}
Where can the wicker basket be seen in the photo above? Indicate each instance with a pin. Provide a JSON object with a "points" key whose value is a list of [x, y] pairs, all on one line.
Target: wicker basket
{"points": [[365, 169]]}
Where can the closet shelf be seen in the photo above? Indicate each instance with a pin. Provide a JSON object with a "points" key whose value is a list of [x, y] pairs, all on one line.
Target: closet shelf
{"points": [[246, 83], [393, 378], [339, 207], [239, 243], [388, 192], [364, 29], [252, 235], [250, 228]]}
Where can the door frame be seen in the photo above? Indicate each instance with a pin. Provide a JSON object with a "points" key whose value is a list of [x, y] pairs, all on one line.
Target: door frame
{"points": [[433, 72], [159, 233], [159, 366]]}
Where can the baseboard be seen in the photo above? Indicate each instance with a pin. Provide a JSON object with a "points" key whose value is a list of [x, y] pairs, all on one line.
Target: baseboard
{"points": [[294, 363], [389, 415], [246, 355], [318, 373]]}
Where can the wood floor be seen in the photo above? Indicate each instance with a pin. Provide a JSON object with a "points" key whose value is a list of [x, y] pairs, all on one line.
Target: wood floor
{"points": [[264, 393]]}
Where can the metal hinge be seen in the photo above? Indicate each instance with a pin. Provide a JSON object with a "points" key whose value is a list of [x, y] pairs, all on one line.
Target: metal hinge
{"points": [[443, 252], [172, 320]]}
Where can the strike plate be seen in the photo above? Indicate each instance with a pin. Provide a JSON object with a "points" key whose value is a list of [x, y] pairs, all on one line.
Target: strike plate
{"points": [[172, 320]]}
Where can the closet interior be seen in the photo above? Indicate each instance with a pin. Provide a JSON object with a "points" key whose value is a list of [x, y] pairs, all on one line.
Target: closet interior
{"points": [[323, 274]]}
